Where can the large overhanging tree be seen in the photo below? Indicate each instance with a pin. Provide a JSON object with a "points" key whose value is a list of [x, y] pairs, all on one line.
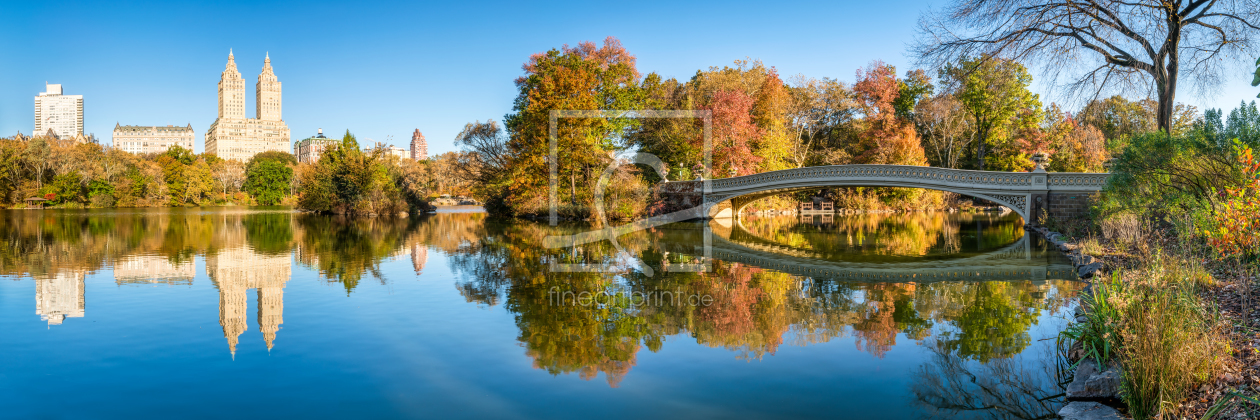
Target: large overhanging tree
{"points": [[1102, 45]]}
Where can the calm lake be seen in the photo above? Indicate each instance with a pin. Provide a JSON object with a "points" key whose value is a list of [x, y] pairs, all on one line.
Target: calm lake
{"points": [[267, 313]]}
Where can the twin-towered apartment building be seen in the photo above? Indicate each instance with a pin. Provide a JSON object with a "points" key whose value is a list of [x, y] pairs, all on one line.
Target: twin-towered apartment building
{"points": [[231, 136]]}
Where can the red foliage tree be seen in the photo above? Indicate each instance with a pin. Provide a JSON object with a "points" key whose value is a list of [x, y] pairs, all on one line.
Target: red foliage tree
{"points": [[886, 138], [734, 133]]}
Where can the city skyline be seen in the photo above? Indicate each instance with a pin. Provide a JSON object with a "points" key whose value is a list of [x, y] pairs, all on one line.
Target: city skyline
{"points": [[396, 75]]}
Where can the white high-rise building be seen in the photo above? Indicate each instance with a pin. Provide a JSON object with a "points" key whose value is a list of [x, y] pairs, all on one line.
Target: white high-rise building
{"points": [[59, 296], [63, 114], [232, 136]]}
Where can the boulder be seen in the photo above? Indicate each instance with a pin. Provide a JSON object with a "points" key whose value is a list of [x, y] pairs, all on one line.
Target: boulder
{"points": [[1086, 260], [1093, 384], [1088, 410], [1087, 270]]}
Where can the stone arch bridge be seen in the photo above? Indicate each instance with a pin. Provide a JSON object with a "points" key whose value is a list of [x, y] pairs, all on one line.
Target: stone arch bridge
{"points": [[1060, 194]]}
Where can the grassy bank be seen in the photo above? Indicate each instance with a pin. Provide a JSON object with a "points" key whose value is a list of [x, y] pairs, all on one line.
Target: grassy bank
{"points": [[1177, 231]]}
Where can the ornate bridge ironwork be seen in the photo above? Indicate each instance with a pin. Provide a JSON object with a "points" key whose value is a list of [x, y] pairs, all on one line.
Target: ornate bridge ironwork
{"points": [[1026, 193]]}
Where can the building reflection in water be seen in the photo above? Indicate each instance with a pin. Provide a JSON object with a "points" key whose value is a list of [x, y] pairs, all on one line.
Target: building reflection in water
{"points": [[154, 269], [419, 256], [59, 296], [234, 271]]}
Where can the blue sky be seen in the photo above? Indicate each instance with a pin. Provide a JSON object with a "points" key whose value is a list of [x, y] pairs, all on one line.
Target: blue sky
{"points": [[385, 69]]}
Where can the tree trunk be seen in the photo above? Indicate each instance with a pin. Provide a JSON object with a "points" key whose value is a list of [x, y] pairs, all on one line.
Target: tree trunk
{"points": [[981, 150], [1165, 110], [1166, 68]]}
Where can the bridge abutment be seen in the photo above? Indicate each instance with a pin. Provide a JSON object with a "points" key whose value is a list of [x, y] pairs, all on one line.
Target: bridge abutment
{"points": [[1069, 205]]}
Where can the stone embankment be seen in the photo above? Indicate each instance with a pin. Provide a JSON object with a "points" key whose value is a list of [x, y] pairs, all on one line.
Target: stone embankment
{"points": [[1093, 386]]}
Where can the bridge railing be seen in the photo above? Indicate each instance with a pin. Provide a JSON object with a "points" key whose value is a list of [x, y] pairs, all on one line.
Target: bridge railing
{"points": [[926, 175]]}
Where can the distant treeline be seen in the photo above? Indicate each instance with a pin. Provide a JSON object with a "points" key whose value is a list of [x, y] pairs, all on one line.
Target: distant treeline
{"points": [[67, 174]]}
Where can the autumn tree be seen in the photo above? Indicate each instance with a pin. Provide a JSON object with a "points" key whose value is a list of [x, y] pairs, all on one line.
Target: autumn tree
{"points": [[733, 134], [753, 112], [771, 106], [675, 141], [585, 77], [1097, 46], [229, 175], [1121, 119], [886, 138], [1073, 146]]}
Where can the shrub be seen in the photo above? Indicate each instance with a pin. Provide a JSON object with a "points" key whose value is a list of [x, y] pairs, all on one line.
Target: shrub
{"points": [[1153, 321], [1159, 175]]}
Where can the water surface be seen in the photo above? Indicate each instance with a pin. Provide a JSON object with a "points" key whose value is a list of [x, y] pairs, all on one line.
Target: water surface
{"points": [[266, 313]]}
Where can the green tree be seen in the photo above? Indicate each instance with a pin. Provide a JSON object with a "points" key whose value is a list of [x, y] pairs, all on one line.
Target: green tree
{"points": [[916, 86], [268, 181], [350, 181], [68, 188], [993, 92], [268, 176]]}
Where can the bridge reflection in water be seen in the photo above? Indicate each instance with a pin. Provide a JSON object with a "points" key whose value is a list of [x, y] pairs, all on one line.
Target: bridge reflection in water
{"points": [[1026, 258]]}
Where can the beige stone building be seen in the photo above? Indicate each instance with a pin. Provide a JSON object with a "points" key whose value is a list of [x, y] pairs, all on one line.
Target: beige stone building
{"points": [[151, 139], [419, 257], [398, 151], [153, 269], [232, 136]]}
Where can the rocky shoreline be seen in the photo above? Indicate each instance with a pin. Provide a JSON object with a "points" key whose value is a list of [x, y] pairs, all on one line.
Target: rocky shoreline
{"points": [[1095, 390]]}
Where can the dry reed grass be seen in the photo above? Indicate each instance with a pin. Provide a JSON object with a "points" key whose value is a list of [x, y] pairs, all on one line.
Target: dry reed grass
{"points": [[1170, 341], [1127, 232]]}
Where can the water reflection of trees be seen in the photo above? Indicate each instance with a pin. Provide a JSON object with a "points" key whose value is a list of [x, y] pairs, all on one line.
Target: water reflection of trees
{"points": [[754, 312], [950, 385], [45, 242]]}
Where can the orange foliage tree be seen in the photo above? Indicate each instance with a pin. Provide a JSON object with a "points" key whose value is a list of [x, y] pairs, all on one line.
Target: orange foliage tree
{"points": [[1236, 225], [887, 138]]}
